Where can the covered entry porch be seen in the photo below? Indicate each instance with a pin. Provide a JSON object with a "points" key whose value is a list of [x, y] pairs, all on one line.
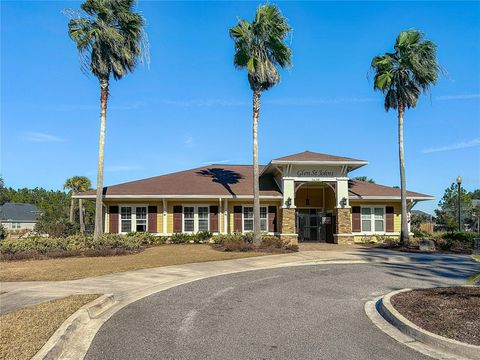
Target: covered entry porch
{"points": [[314, 212]]}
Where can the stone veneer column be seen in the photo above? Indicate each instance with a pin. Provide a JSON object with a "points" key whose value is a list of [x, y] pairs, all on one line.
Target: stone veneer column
{"points": [[287, 229], [343, 228]]}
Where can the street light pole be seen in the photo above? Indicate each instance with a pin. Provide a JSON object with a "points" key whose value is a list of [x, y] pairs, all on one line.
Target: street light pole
{"points": [[459, 185]]}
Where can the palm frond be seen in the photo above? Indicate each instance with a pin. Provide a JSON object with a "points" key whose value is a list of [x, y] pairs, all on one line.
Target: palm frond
{"points": [[408, 72], [260, 46], [110, 37]]}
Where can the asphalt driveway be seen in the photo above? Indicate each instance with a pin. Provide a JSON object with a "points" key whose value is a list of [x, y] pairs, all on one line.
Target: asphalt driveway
{"points": [[302, 312]]}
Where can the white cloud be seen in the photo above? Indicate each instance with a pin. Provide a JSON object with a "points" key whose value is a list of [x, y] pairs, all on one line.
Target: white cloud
{"points": [[42, 137], [189, 141], [204, 103], [460, 145], [458, 97], [215, 162], [320, 101], [119, 168], [285, 102]]}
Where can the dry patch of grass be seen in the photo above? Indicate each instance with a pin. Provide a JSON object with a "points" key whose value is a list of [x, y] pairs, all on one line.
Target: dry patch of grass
{"points": [[82, 267], [25, 331]]}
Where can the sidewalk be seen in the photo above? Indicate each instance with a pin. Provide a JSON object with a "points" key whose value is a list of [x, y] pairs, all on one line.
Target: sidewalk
{"points": [[131, 285]]}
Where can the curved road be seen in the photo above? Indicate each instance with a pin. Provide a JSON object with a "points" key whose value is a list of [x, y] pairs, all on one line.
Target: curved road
{"points": [[303, 312]]}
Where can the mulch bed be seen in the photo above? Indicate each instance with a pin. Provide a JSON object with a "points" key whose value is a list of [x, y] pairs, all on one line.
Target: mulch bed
{"points": [[452, 312]]}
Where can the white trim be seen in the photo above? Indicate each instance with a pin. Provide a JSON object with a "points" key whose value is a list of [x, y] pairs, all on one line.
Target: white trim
{"points": [[243, 219], [320, 162], [225, 216], [372, 219], [164, 216], [195, 218], [133, 218], [193, 197], [372, 197]]}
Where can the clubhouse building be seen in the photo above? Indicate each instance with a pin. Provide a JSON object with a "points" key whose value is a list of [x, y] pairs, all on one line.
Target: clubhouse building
{"points": [[304, 197]]}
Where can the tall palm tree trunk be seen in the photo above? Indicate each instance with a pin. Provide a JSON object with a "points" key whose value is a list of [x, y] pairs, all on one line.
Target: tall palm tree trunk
{"points": [[403, 189], [72, 204], [81, 215], [101, 149], [256, 188]]}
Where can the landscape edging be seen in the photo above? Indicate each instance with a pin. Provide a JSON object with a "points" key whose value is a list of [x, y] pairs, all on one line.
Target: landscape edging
{"points": [[407, 327], [57, 343]]}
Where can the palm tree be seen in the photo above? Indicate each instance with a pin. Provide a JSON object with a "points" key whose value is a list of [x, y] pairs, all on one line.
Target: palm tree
{"points": [[402, 76], [260, 48], [110, 38], [77, 184]]}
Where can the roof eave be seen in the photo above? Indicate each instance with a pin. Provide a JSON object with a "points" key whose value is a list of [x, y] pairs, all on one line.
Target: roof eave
{"points": [[79, 196], [378, 197]]}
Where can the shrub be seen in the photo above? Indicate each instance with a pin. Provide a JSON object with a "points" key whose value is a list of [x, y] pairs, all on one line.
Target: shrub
{"points": [[455, 241], [109, 244], [273, 242], [3, 232], [244, 242], [180, 238]]}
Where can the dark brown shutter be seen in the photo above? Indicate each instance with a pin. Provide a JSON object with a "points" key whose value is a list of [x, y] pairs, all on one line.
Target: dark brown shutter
{"points": [[389, 219], [152, 219], [272, 218], [356, 219], [237, 219], [177, 219], [113, 220], [214, 218]]}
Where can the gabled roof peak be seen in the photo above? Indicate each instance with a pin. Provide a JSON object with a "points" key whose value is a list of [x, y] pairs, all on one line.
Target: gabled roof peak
{"points": [[315, 157]]}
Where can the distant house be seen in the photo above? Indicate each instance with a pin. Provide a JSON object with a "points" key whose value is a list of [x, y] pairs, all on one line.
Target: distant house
{"points": [[16, 216]]}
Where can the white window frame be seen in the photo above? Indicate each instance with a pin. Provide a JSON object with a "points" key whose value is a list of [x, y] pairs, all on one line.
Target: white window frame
{"points": [[133, 220], [372, 219], [243, 218], [195, 218]]}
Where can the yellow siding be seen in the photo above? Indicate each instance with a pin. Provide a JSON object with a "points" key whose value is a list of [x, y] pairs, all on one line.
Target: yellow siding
{"points": [[233, 203], [135, 202], [171, 204], [396, 212]]}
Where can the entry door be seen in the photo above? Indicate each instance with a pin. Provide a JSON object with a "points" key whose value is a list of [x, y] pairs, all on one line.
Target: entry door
{"points": [[309, 225]]}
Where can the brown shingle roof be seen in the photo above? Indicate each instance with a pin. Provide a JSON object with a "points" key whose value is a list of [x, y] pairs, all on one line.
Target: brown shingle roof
{"points": [[217, 180], [362, 189], [228, 180], [314, 156]]}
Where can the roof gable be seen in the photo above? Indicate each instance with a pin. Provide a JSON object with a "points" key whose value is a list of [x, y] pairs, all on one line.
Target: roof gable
{"points": [[314, 157], [18, 212]]}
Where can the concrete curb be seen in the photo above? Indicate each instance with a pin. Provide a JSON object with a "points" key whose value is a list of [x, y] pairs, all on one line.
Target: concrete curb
{"points": [[73, 339], [58, 343], [438, 343]]}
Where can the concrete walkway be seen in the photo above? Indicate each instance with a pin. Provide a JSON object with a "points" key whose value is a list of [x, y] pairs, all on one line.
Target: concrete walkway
{"points": [[131, 285]]}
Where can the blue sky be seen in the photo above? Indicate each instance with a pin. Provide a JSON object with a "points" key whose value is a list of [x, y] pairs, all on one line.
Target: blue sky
{"points": [[190, 107]]}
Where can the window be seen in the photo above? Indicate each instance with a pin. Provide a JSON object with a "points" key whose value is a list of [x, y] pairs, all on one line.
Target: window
{"points": [[373, 219], [203, 213], [141, 219], [188, 219], [133, 219], [379, 219], [196, 218], [248, 218], [126, 219]]}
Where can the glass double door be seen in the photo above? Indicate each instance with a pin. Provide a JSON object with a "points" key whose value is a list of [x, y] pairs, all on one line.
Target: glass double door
{"points": [[310, 225]]}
